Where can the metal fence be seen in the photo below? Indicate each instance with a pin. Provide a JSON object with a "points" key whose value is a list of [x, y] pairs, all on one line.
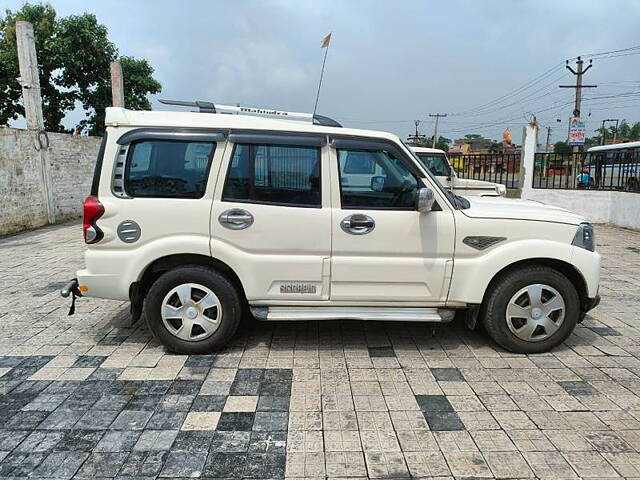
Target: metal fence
{"points": [[605, 170], [498, 168]]}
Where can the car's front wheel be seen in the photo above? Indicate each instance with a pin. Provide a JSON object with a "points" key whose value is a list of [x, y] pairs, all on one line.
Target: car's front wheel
{"points": [[193, 310], [531, 309]]}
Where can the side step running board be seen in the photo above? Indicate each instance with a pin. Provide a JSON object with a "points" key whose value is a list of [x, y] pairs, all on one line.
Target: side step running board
{"points": [[397, 314]]}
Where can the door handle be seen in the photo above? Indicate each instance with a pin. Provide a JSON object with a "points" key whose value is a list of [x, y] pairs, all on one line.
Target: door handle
{"points": [[235, 219], [357, 224]]}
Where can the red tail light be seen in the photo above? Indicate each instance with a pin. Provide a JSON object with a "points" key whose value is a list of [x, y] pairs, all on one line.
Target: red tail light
{"points": [[93, 210]]}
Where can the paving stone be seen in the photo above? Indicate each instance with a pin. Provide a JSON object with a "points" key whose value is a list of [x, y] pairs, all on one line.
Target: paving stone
{"points": [[236, 421], [117, 441], [131, 420], [102, 464], [183, 464], [153, 440], [79, 440], [193, 441]]}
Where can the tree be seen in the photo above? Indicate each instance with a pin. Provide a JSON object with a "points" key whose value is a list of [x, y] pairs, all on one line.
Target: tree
{"points": [[562, 147], [74, 55], [495, 147], [441, 144], [473, 136]]}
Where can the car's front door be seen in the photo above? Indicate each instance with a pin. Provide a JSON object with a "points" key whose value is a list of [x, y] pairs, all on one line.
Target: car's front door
{"points": [[271, 218], [383, 250]]}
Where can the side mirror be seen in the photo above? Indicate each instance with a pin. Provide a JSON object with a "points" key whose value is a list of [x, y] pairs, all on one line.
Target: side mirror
{"points": [[425, 200], [377, 183]]}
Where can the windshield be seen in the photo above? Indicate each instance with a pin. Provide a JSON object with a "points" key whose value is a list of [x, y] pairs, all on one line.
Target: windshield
{"points": [[436, 163]]}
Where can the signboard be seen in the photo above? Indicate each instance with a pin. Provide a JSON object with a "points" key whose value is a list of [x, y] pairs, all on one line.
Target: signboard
{"points": [[577, 131]]}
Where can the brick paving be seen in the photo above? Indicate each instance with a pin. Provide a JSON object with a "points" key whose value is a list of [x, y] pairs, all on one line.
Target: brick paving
{"points": [[90, 396]]}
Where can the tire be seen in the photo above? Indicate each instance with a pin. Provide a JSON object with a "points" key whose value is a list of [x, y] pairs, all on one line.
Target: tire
{"points": [[507, 329], [216, 317]]}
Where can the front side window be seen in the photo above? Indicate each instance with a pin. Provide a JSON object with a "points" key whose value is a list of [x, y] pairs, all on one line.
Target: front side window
{"points": [[168, 169], [436, 163], [388, 185], [274, 174]]}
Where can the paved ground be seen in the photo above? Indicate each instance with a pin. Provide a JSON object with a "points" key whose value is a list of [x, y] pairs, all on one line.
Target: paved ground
{"points": [[88, 396]]}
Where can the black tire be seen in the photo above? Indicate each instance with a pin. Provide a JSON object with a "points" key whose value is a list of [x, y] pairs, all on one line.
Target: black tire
{"points": [[229, 298], [495, 306]]}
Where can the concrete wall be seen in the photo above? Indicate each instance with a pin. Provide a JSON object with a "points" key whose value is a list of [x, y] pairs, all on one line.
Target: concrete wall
{"points": [[22, 200], [618, 208]]}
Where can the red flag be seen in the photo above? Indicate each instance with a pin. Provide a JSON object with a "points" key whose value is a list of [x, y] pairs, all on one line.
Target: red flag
{"points": [[325, 41]]}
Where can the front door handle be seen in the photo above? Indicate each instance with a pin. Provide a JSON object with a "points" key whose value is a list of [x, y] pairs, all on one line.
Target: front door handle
{"points": [[357, 224], [235, 219]]}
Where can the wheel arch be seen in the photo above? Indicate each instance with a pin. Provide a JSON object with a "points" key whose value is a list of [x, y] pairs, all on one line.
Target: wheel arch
{"points": [[568, 270], [161, 265]]}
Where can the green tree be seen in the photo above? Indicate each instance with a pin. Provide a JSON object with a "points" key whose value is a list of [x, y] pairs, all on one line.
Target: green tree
{"points": [[74, 54], [562, 147], [441, 144]]}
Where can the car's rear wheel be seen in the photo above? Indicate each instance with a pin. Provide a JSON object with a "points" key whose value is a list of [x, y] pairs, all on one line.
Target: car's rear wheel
{"points": [[531, 310], [193, 310]]}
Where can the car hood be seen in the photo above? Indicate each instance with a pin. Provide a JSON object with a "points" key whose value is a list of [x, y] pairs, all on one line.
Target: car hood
{"points": [[498, 207]]}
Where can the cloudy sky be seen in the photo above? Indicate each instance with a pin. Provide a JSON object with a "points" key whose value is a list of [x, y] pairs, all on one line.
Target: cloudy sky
{"points": [[488, 64]]}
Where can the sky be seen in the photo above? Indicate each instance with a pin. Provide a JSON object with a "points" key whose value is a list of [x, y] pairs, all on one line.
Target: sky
{"points": [[488, 64]]}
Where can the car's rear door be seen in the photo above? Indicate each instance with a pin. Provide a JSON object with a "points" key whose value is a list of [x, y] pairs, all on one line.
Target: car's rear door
{"points": [[271, 216]]}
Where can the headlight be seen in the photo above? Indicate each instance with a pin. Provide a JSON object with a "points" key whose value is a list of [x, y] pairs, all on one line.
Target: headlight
{"points": [[585, 237], [501, 189]]}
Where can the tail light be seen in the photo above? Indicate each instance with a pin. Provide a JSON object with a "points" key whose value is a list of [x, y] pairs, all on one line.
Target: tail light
{"points": [[93, 210]]}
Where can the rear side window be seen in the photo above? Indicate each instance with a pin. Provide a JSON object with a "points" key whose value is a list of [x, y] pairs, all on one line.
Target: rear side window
{"points": [[168, 169], [274, 174]]}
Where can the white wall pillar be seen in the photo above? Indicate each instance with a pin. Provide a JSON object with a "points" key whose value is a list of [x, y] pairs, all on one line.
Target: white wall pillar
{"points": [[529, 143]]}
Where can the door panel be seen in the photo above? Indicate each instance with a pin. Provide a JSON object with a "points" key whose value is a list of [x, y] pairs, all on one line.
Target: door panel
{"points": [[406, 256], [282, 251]]}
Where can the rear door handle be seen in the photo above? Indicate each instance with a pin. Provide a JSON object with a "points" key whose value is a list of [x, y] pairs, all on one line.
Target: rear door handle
{"points": [[357, 224], [235, 219]]}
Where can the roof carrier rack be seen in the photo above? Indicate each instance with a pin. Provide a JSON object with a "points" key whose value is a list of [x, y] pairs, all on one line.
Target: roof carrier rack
{"points": [[208, 107]]}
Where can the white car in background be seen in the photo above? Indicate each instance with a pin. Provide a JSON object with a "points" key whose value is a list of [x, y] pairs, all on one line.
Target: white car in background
{"points": [[437, 163]]}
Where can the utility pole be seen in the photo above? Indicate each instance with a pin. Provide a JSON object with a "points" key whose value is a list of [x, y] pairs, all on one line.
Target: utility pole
{"points": [[546, 147], [32, 100], [117, 85], [435, 130], [578, 72], [415, 138]]}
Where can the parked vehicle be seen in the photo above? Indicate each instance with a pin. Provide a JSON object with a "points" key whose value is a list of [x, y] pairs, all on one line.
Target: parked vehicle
{"points": [[616, 166], [199, 218], [437, 163]]}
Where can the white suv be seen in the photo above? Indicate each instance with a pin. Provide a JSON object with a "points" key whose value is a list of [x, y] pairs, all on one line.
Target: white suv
{"points": [[200, 218], [436, 161]]}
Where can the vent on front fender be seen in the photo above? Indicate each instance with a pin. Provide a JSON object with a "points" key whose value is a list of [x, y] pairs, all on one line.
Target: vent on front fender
{"points": [[481, 242]]}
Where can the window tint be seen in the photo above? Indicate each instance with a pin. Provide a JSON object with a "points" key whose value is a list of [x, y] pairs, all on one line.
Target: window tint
{"points": [[437, 164], [168, 169], [282, 175], [388, 185]]}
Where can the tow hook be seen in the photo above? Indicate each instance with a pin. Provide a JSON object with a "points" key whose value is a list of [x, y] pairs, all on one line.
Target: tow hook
{"points": [[71, 288]]}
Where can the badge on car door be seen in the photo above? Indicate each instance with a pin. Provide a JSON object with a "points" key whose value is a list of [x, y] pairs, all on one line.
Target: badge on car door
{"points": [[297, 288]]}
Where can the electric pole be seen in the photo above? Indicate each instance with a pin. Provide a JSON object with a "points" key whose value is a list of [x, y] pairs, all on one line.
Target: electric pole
{"points": [[546, 147], [578, 72], [435, 130], [415, 139]]}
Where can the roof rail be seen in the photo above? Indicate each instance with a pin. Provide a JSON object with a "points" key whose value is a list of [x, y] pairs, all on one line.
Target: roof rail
{"points": [[208, 107]]}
